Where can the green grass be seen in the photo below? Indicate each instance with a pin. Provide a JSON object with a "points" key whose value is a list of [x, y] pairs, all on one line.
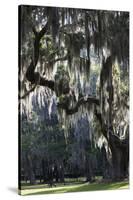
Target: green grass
{"points": [[75, 187]]}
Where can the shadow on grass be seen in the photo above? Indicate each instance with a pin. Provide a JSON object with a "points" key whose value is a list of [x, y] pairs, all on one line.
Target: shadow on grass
{"points": [[26, 186], [77, 188]]}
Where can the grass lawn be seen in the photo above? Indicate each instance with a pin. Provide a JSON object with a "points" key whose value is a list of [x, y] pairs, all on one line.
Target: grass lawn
{"points": [[74, 187]]}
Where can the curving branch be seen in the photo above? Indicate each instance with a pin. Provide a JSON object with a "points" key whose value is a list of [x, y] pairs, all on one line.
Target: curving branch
{"points": [[112, 137], [36, 79], [28, 92], [81, 101], [31, 75], [59, 59]]}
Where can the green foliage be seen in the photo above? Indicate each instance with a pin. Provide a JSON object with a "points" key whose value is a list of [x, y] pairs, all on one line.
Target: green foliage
{"points": [[74, 42], [120, 81], [62, 80], [39, 139], [62, 73]]}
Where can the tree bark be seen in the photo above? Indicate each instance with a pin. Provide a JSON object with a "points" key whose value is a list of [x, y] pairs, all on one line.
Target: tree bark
{"points": [[30, 170], [120, 157], [119, 148]]}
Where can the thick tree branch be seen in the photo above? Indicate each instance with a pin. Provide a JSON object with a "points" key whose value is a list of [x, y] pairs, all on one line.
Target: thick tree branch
{"points": [[59, 59], [112, 138], [31, 75], [35, 78], [28, 92], [81, 101]]}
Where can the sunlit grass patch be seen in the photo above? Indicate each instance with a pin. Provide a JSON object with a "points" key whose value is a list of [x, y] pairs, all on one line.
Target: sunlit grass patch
{"points": [[44, 189]]}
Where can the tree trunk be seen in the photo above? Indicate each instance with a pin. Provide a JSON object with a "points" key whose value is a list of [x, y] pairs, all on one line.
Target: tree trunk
{"points": [[61, 173], [118, 168], [43, 171], [30, 170], [89, 171], [120, 159]]}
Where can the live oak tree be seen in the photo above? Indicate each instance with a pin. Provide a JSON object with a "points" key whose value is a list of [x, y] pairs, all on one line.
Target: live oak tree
{"points": [[59, 49]]}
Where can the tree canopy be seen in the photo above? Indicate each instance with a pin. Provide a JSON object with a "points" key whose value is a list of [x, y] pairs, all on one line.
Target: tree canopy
{"points": [[74, 66]]}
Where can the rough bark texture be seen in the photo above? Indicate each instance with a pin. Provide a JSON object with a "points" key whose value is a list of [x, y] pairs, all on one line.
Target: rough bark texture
{"points": [[119, 148]]}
